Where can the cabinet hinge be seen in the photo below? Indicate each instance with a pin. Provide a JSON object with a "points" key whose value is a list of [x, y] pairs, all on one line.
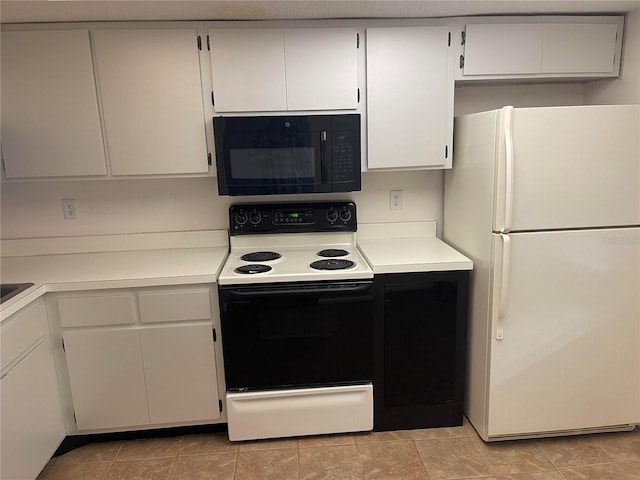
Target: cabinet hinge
{"points": [[357, 40], [215, 335], [446, 151], [213, 102], [199, 42], [463, 37], [209, 159], [208, 43], [461, 61], [449, 41], [220, 405], [358, 95], [75, 420], [63, 348]]}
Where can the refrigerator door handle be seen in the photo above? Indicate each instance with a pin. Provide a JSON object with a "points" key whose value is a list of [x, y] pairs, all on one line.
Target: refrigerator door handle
{"points": [[508, 144], [504, 284]]}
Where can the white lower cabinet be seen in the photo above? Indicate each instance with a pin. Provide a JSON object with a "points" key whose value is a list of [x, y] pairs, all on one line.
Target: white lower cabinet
{"points": [[32, 422], [107, 378], [179, 373], [154, 371]]}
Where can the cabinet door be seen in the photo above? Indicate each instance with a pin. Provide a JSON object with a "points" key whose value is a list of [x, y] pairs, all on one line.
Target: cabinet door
{"points": [[248, 70], [107, 378], [495, 49], [149, 82], [180, 373], [50, 120], [321, 68], [576, 48], [531, 47], [409, 97], [32, 425]]}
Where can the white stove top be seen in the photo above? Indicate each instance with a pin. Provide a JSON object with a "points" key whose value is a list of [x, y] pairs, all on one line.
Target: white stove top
{"points": [[298, 251]]}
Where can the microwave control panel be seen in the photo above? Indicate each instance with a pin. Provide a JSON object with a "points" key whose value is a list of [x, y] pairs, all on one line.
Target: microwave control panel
{"points": [[343, 153], [292, 217]]}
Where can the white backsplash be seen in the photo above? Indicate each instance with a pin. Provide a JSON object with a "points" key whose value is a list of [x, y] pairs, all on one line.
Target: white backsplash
{"points": [[34, 209]]}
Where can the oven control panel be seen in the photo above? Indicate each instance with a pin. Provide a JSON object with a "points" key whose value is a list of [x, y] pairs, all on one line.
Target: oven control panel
{"points": [[338, 216]]}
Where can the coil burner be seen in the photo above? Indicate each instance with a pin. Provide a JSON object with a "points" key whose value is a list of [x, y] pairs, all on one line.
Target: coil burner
{"points": [[253, 269], [333, 252], [332, 264], [260, 256]]}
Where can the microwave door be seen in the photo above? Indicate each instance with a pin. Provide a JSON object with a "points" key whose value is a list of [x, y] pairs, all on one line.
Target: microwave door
{"points": [[269, 158]]}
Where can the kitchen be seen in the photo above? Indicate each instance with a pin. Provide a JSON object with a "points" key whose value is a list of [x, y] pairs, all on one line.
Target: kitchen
{"points": [[134, 206]]}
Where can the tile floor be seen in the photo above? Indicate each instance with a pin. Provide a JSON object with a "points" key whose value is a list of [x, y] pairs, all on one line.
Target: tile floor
{"points": [[432, 454]]}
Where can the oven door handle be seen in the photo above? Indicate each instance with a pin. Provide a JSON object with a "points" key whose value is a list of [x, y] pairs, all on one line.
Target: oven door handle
{"points": [[349, 299], [267, 291]]}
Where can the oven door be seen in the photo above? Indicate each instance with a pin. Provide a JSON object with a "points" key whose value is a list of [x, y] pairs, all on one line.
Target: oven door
{"points": [[273, 154], [279, 336]]}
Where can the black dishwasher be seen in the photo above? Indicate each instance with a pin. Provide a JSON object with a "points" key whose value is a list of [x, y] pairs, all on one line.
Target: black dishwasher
{"points": [[420, 344]]}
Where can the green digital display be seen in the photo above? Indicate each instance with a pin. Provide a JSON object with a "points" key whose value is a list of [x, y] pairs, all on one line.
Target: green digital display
{"points": [[294, 215]]}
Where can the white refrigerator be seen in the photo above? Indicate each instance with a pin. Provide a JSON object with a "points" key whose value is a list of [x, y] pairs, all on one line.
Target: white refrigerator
{"points": [[546, 202]]}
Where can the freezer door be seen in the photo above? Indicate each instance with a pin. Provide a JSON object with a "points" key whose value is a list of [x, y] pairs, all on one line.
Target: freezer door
{"points": [[569, 167], [565, 350]]}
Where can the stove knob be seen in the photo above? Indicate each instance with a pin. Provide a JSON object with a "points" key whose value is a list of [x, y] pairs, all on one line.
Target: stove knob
{"points": [[255, 218], [241, 218], [345, 215], [332, 215]]}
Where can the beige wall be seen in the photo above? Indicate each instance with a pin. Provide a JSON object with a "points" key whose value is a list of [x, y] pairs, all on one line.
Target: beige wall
{"points": [[626, 89]]}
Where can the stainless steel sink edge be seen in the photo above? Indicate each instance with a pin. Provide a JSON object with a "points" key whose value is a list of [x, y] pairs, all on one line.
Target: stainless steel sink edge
{"points": [[10, 290]]}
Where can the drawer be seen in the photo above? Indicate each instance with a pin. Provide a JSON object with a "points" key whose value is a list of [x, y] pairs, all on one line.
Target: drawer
{"points": [[95, 310], [175, 306], [21, 331], [304, 411]]}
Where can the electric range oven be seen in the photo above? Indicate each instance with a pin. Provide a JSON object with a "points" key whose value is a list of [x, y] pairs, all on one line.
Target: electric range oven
{"points": [[296, 303]]}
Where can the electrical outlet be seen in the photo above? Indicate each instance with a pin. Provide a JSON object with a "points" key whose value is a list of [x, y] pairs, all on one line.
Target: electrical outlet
{"points": [[69, 209], [395, 199]]}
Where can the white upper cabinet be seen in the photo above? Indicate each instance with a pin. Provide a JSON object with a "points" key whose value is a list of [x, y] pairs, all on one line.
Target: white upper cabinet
{"points": [[321, 68], [487, 53], [410, 89], [248, 69], [256, 70], [576, 48], [50, 119], [540, 47], [151, 92]]}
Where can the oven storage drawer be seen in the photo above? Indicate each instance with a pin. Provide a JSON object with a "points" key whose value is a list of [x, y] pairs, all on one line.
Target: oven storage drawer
{"points": [[306, 411]]}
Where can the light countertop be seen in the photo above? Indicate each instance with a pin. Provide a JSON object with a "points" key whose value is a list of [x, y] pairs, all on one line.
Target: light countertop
{"points": [[408, 247], [190, 263]]}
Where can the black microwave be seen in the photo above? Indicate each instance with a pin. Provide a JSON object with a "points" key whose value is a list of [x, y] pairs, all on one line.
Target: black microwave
{"points": [[270, 155]]}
